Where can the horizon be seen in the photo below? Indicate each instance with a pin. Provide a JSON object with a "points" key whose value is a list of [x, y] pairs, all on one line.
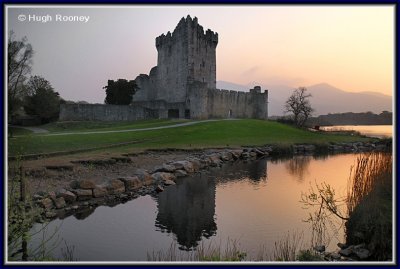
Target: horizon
{"points": [[347, 47]]}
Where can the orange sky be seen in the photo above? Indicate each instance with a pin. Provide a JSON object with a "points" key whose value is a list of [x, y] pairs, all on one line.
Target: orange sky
{"points": [[349, 47]]}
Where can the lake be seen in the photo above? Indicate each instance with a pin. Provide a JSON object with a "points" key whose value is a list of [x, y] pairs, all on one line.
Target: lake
{"points": [[379, 131], [255, 204]]}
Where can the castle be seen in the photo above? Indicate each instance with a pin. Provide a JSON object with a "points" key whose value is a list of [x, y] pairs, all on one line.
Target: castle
{"points": [[182, 85]]}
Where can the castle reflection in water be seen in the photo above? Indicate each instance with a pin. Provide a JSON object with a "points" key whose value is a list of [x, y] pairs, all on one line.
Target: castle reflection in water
{"points": [[187, 209]]}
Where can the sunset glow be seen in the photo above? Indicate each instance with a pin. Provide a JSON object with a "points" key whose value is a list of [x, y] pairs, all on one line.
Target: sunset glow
{"points": [[349, 47]]}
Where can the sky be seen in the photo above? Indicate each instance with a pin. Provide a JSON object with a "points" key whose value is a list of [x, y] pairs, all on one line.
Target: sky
{"points": [[349, 47]]}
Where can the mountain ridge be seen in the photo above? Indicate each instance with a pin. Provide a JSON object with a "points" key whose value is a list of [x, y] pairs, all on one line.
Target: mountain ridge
{"points": [[325, 98]]}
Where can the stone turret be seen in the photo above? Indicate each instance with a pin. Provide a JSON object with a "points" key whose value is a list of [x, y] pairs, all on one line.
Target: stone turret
{"points": [[185, 56]]}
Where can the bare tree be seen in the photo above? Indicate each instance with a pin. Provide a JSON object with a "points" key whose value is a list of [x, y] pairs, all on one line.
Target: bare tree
{"points": [[19, 63], [299, 105]]}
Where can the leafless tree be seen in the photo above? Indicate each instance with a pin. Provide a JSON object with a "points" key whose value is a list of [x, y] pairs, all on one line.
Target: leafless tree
{"points": [[19, 64], [299, 105]]}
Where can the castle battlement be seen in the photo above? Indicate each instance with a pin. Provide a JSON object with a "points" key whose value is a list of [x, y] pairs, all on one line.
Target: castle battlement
{"points": [[255, 90], [185, 26]]}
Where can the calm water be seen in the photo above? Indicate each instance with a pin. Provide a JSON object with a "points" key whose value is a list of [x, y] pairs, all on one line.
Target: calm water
{"points": [[255, 204], [379, 131]]}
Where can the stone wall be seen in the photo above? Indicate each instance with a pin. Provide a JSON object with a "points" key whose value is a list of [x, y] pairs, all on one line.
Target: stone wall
{"points": [[99, 112], [209, 103]]}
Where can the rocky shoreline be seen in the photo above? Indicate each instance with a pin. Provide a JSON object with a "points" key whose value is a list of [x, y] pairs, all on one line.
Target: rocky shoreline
{"points": [[86, 194], [345, 253]]}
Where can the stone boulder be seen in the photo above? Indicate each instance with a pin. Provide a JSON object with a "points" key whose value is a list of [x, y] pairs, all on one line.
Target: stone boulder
{"points": [[68, 196], [144, 176], [253, 154], [361, 253], [236, 154], [245, 155], [185, 165], [37, 197], [258, 152], [319, 248], [162, 176], [115, 186], [347, 251], [46, 203], [132, 183], [83, 194], [52, 195], [215, 160], [226, 156], [83, 184], [169, 182], [335, 256], [180, 173], [165, 168], [197, 164], [100, 191], [60, 202]]}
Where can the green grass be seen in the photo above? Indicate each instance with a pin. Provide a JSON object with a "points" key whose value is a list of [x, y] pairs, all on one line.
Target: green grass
{"points": [[18, 131], [73, 126], [207, 134]]}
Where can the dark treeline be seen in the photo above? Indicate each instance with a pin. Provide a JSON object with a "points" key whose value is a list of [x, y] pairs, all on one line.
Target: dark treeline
{"points": [[350, 118]]}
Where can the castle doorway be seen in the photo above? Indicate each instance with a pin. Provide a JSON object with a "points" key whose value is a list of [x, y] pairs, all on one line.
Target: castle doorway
{"points": [[173, 113], [230, 113], [187, 113]]}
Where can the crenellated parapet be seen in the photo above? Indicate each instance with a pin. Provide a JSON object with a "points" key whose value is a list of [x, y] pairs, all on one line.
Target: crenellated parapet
{"points": [[187, 25]]}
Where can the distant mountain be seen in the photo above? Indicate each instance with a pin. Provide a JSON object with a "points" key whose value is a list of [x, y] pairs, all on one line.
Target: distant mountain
{"points": [[231, 86], [325, 99]]}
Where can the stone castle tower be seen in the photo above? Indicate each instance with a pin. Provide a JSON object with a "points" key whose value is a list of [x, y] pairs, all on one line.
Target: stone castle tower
{"points": [[182, 85], [185, 56]]}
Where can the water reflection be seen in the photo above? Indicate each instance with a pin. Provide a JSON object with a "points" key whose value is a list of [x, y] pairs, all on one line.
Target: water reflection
{"points": [[84, 213], [298, 167], [188, 208], [243, 201]]}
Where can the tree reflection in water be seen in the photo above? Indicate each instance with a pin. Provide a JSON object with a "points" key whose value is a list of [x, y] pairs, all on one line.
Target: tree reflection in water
{"points": [[187, 209], [298, 167]]}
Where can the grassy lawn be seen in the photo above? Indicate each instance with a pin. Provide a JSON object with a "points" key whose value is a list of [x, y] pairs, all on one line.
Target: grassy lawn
{"points": [[18, 131], [207, 134], [72, 126]]}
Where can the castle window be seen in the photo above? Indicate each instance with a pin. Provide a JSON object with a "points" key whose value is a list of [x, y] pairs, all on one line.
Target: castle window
{"points": [[203, 79]]}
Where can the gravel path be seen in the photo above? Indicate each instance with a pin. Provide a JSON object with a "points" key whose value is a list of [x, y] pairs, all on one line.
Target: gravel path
{"points": [[129, 130], [35, 130]]}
